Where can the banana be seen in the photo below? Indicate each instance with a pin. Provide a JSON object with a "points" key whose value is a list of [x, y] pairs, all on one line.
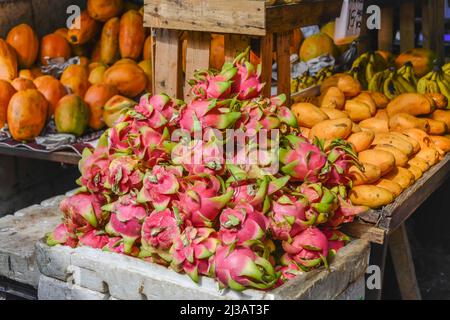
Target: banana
{"points": [[388, 87], [407, 86], [410, 76], [370, 71], [443, 87], [446, 68], [376, 83], [422, 85]]}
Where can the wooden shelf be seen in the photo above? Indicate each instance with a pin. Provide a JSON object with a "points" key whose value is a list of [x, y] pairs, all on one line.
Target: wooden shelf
{"points": [[66, 157]]}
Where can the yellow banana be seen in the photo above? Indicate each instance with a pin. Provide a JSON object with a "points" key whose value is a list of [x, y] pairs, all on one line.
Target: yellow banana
{"points": [[407, 86], [443, 87], [422, 85], [388, 87], [376, 83]]}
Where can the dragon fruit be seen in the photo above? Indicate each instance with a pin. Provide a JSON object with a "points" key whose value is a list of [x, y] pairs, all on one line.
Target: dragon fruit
{"points": [[94, 169], [336, 239], [83, 212], [192, 250], [200, 156], [157, 111], [151, 146], [159, 231], [240, 268], [116, 244], [346, 211], [202, 198], [200, 114], [302, 160], [288, 270], [309, 248], [61, 235], [124, 175], [288, 217], [126, 219], [160, 186], [242, 225], [339, 160], [209, 85], [94, 239], [246, 82]]}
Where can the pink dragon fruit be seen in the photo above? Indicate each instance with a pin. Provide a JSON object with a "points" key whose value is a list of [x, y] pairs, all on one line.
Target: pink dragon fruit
{"points": [[309, 248], [336, 239], [200, 114], [82, 212], [94, 169], [302, 160], [339, 160], [288, 271], [116, 244], [208, 85], [192, 250], [288, 217], [124, 175], [240, 268], [246, 83], [242, 225], [202, 198], [346, 211], [61, 235], [159, 231], [94, 239], [160, 186], [200, 156], [157, 111], [126, 220], [151, 146]]}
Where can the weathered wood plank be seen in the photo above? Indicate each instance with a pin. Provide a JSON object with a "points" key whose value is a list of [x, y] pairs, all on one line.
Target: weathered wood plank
{"points": [[266, 63], [407, 26], [386, 33], [307, 12], [284, 65], [364, 231], [197, 56], [231, 16], [403, 264], [168, 65], [235, 44], [437, 26]]}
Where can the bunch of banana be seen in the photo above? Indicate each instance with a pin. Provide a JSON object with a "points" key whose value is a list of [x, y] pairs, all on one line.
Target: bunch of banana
{"points": [[393, 82], [366, 66], [306, 81], [323, 74], [294, 85], [446, 68], [436, 81]]}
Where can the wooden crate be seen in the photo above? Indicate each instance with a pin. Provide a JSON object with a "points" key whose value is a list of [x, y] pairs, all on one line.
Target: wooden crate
{"points": [[240, 21]]}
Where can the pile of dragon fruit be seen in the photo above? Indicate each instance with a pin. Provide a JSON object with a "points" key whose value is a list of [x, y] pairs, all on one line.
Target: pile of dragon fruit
{"points": [[244, 225]]}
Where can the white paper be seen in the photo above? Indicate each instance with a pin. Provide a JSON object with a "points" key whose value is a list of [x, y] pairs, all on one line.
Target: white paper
{"points": [[348, 25]]}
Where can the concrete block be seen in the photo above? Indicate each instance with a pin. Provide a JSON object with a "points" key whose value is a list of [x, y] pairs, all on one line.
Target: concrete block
{"points": [[53, 289], [87, 279], [53, 263]]}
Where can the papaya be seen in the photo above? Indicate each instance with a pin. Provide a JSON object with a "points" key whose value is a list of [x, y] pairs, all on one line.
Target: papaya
{"points": [[115, 107], [76, 78], [94, 65], [27, 114], [109, 41], [83, 29], [345, 82], [146, 66], [6, 93], [8, 61], [147, 52], [71, 115], [96, 98], [26, 43], [103, 10], [52, 89], [62, 32], [421, 58], [96, 53], [317, 45], [22, 84], [54, 46], [36, 72], [128, 78], [125, 61], [131, 35], [389, 57], [96, 76], [328, 29], [26, 74]]}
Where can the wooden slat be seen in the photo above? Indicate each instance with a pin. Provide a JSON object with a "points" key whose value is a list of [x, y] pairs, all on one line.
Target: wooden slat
{"points": [[407, 26], [437, 26], [284, 65], [364, 231], [230, 16], [386, 33], [378, 255], [266, 63], [65, 157], [235, 44], [197, 56], [167, 64], [403, 264], [305, 13], [426, 30]]}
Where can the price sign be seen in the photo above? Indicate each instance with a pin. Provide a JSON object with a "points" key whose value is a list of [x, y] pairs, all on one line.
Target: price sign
{"points": [[348, 25]]}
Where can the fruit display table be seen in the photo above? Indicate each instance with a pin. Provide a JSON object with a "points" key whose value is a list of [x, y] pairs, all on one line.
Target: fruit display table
{"points": [[84, 273]]}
